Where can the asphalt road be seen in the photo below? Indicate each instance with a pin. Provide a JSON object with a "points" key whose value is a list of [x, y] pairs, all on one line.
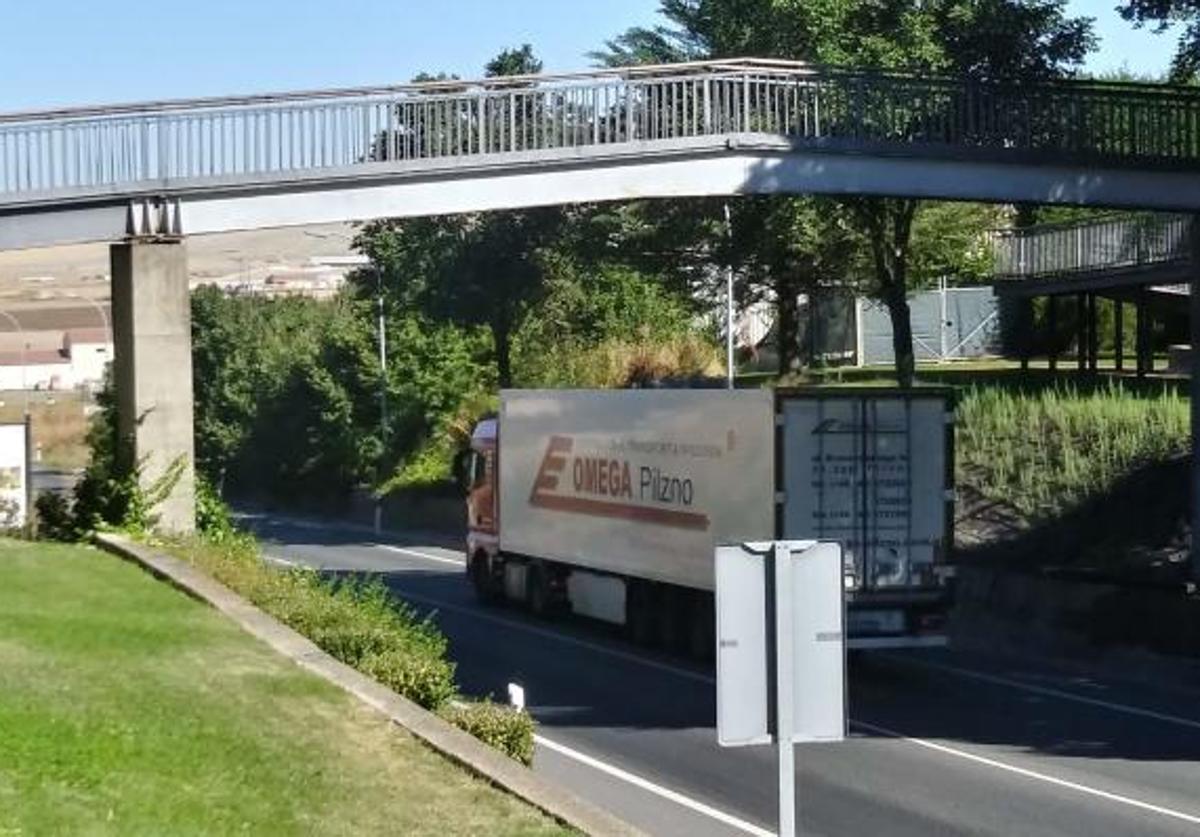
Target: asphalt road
{"points": [[942, 742]]}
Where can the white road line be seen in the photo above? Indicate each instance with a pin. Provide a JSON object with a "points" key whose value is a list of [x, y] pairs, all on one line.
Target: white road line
{"points": [[657, 790], [275, 559], [919, 742], [1032, 774], [458, 562], [1047, 691]]}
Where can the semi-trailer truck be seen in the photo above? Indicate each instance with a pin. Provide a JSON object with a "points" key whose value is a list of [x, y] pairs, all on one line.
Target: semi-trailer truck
{"points": [[609, 504]]}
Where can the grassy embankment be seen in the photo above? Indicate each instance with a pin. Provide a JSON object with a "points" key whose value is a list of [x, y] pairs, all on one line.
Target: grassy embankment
{"points": [[128, 708], [1044, 452]]}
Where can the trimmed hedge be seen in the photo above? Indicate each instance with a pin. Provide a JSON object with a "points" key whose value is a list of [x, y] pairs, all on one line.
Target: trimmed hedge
{"points": [[360, 623], [506, 729]]}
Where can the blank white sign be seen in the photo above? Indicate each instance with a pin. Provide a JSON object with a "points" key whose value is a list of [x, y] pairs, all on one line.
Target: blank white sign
{"points": [[818, 659], [741, 583], [819, 650]]}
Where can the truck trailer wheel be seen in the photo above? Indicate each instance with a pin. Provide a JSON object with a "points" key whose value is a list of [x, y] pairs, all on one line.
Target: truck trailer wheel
{"points": [[481, 580], [702, 628], [674, 613], [538, 594], [641, 620]]}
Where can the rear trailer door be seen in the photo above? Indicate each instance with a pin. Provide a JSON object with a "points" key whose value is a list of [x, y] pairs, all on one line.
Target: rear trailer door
{"points": [[873, 470]]}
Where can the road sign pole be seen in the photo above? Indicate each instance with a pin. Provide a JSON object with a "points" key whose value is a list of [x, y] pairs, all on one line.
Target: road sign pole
{"points": [[784, 685]]}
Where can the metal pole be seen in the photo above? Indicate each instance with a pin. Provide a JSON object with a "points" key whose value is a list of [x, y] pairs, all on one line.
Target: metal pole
{"points": [[1194, 387], [730, 372], [30, 518], [784, 683], [943, 347], [383, 410]]}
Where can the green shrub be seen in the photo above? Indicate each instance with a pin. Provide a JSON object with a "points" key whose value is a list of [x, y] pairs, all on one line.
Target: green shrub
{"points": [[55, 520], [355, 621], [213, 519], [508, 730], [425, 680]]}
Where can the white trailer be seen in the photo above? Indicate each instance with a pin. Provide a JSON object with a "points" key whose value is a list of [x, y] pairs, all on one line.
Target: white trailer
{"points": [[610, 503]]}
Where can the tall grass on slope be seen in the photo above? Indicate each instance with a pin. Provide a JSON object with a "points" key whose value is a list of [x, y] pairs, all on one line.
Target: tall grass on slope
{"points": [[1045, 452]]}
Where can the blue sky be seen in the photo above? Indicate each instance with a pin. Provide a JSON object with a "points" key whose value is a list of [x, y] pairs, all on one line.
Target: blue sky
{"points": [[92, 51]]}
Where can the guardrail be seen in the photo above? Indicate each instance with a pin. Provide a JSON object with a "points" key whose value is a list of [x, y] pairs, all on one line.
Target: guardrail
{"points": [[148, 146], [1110, 244]]}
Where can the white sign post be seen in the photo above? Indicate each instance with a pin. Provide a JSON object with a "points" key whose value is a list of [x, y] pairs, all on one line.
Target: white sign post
{"points": [[780, 632]]}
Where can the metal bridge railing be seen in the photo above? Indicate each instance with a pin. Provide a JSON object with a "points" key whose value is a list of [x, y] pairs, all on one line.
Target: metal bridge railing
{"points": [[148, 146], [1111, 244]]}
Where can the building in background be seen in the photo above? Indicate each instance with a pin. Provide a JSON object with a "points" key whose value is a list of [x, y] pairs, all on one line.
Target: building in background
{"points": [[54, 360], [837, 328]]}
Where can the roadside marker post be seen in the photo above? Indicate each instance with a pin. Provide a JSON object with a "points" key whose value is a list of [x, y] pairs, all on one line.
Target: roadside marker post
{"points": [[781, 652]]}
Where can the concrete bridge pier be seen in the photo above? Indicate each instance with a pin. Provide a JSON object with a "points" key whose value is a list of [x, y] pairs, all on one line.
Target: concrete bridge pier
{"points": [[152, 373]]}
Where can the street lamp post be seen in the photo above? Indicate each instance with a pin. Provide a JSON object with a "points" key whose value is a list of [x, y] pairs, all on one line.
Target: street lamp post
{"points": [[729, 370], [383, 407]]}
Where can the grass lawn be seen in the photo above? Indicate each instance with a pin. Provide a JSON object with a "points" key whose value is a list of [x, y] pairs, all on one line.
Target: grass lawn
{"points": [[128, 708]]}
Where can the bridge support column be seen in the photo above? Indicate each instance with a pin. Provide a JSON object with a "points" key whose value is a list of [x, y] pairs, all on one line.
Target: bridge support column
{"points": [[1025, 331], [1093, 330], [1119, 334], [1081, 335], [1144, 358], [152, 373]]}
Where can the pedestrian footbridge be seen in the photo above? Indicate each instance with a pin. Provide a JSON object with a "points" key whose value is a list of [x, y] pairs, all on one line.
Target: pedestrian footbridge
{"points": [[723, 127], [145, 176], [1139, 259], [1116, 254]]}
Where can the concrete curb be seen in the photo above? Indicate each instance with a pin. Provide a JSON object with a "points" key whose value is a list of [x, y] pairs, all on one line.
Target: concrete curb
{"points": [[441, 736]]}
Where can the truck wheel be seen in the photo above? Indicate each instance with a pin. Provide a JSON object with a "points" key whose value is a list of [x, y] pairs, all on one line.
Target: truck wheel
{"points": [[537, 591], [640, 614], [702, 629], [674, 611], [481, 580]]}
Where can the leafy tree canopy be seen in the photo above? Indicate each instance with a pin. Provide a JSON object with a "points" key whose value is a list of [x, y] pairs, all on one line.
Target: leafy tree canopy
{"points": [[1162, 14]]}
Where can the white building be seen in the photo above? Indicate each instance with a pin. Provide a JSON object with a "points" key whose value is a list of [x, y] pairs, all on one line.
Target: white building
{"points": [[79, 360]]}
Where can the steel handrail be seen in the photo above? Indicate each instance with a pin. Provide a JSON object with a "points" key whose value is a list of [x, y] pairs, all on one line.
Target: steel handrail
{"points": [[156, 143]]}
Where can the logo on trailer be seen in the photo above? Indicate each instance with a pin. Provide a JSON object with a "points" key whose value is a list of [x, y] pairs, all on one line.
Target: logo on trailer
{"points": [[605, 487]]}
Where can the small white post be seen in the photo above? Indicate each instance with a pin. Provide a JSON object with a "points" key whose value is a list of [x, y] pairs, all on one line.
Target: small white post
{"points": [[516, 697], [784, 681]]}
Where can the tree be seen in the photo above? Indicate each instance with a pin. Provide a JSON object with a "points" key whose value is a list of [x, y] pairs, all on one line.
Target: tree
{"points": [[514, 62], [788, 247], [1163, 14], [476, 269], [1013, 40]]}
